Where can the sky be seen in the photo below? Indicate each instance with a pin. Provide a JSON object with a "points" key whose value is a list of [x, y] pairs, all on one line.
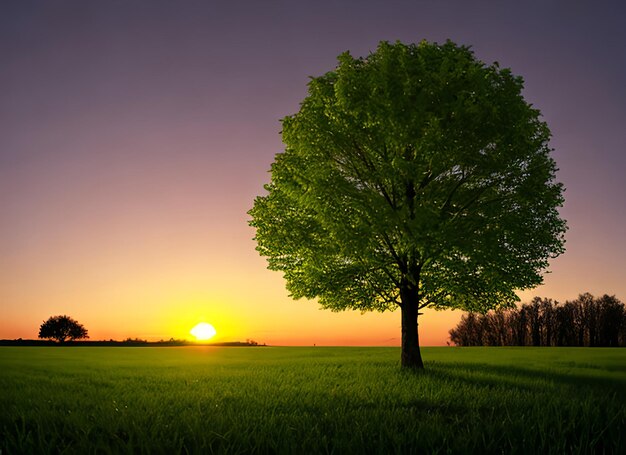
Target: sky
{"points": [[135, 135]]}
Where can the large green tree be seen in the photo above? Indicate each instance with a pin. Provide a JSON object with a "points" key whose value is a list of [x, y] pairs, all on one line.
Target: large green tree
{"points": [[416, 177]]}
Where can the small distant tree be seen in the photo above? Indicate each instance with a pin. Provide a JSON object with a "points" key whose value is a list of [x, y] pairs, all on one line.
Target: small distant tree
{"points": [[62, 328]]}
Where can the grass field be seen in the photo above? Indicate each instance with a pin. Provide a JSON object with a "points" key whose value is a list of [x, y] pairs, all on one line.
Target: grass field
{"points": [[311, 400]]}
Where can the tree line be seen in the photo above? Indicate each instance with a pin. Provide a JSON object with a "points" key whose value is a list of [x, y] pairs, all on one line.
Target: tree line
{"points": [[585, 321]]}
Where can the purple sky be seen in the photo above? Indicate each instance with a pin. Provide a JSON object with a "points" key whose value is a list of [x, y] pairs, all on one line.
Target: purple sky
{"points": [[134, 136]]}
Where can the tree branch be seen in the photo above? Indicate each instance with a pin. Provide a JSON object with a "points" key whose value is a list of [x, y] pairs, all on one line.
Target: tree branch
{"points": [[448, 200]]}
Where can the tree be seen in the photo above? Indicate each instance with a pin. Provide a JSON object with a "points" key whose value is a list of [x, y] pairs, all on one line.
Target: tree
{"points": [[62, 328], [416, 177], [612, 318], [586, 321]]}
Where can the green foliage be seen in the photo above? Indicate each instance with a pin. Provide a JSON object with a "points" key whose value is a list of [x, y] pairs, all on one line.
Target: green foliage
{"points": [[62, 328], [416, 167], [311, 400]]}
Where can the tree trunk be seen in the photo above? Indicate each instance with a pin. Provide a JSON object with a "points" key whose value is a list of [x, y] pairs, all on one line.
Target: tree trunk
{"points": [[411, 356]]}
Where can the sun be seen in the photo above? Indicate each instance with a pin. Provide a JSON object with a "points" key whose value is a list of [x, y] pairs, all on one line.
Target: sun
{"points": [[203, 331]]}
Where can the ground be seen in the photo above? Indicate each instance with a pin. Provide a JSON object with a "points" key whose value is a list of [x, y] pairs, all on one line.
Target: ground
{"points": [[313, 400]]}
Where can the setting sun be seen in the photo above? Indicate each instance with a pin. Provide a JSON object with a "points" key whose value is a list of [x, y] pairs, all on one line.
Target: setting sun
{"points": [[203, 331]]}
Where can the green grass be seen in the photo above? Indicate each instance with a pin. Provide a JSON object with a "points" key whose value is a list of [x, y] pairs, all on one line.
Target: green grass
{"points": [[311, 400]]}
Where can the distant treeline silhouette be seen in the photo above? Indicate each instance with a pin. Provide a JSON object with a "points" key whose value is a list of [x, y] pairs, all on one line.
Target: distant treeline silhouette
{"points": [[133, 342], [586, 321]]}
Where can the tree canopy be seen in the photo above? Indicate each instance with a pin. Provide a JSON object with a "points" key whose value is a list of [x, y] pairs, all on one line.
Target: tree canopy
{"points": [[415, 177], [62, 328]]}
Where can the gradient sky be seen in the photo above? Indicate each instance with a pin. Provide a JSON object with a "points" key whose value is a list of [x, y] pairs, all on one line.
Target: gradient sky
{"points": [[134, 136]]}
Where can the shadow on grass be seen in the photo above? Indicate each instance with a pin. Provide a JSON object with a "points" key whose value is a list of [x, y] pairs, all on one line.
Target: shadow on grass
{"points": [[482, 375]]}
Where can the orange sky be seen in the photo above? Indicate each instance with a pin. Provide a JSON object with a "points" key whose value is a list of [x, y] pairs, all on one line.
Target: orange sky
{"points": [[132, 144]]}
